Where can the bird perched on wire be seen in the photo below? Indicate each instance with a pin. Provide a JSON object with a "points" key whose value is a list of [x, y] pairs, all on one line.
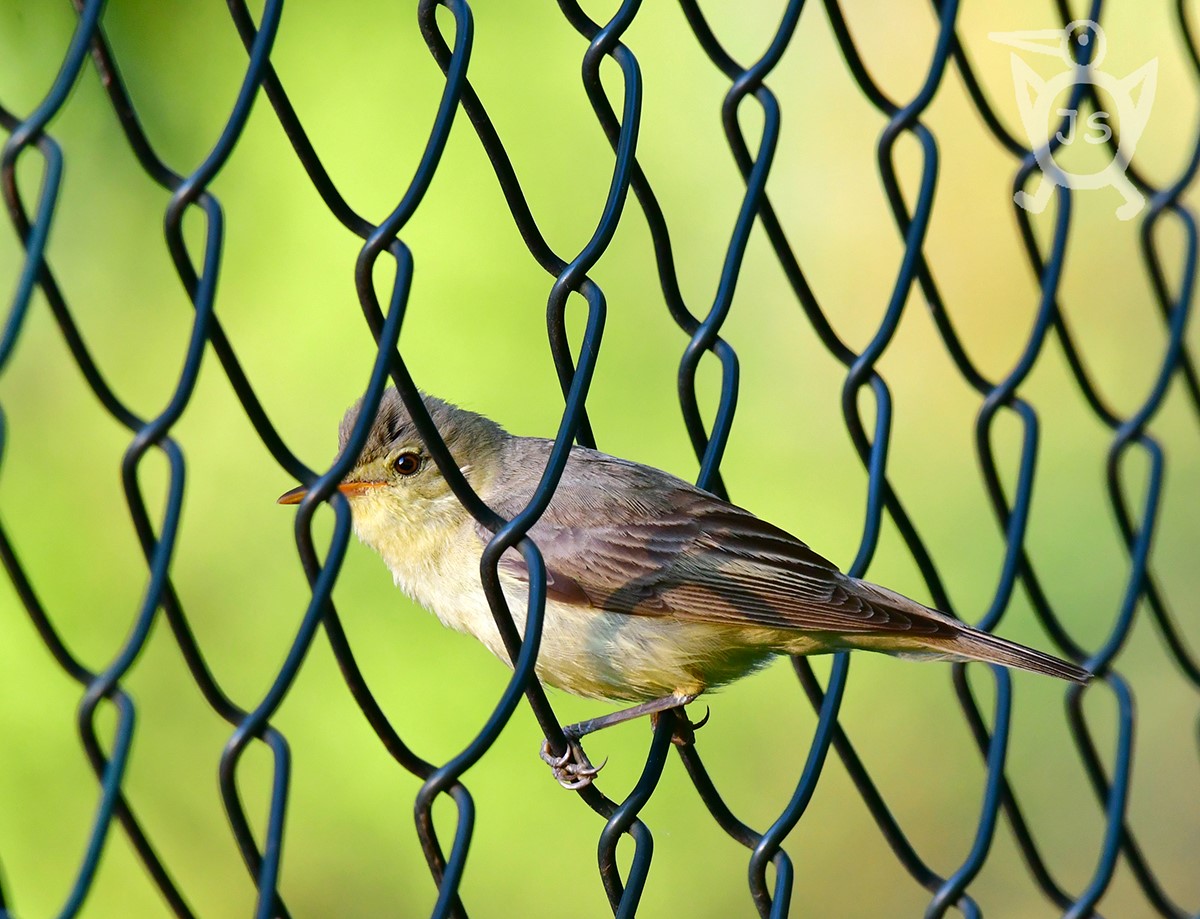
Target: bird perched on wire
{"points": [[656, 590]]}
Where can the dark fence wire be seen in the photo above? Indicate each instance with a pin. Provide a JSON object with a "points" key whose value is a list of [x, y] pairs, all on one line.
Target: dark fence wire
{"points": [[199, 272]]}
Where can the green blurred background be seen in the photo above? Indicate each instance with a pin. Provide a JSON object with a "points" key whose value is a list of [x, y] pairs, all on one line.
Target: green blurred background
{"points": [[366, 89]]}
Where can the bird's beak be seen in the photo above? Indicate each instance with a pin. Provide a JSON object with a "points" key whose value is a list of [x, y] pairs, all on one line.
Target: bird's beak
{"points": [[349, 489], [1038, 41]]}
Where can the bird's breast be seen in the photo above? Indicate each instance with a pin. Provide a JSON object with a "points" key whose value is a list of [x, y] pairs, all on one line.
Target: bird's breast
{"points": [[586, 650]]}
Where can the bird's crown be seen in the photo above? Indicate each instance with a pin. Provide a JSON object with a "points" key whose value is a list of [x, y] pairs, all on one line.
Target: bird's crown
{"points": [[464, 431]]}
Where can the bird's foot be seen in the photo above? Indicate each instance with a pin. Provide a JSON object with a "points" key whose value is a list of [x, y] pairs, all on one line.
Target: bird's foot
{"points": [[573, 770], [684, 734]]}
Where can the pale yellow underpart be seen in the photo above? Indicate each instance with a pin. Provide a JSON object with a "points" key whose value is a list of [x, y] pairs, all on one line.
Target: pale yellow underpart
{"points": [[434, 559]]}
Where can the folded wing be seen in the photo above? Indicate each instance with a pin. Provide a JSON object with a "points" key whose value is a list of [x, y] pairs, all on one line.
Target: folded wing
{"points": [[626, 538]]}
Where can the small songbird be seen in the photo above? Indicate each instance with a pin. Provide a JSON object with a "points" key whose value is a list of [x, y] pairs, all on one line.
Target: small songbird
{"points": [[656, 590]]}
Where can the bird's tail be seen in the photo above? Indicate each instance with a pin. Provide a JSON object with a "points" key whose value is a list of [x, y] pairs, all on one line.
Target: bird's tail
{"points": [[938, 636], [983, 646], [973, 645]]}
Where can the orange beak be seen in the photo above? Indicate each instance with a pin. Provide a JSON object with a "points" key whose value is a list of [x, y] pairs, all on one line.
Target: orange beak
{"points": [[350, 489]]}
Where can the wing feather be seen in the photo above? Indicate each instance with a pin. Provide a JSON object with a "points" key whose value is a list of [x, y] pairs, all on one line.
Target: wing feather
{"points": [[630, 539]]}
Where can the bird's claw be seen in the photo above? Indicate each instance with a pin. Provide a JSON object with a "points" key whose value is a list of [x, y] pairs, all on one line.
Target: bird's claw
{"points": [[572, 769], [554, 762], [684, 734]]}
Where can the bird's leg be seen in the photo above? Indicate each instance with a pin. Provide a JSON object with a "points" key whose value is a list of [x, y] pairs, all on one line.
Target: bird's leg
{"points": [[653, 707], [573, 769]]}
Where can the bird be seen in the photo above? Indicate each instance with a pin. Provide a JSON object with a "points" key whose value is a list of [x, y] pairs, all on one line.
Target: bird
{"points": [[656, 590]]}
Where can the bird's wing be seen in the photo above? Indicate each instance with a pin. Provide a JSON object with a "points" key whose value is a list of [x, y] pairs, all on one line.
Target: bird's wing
{"points": [[626, 538]]}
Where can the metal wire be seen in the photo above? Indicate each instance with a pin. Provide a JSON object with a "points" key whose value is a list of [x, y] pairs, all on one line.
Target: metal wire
{"points": [[28, 139]]}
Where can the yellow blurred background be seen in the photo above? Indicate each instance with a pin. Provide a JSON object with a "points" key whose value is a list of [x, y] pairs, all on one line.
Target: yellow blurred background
{"points": [[366, 89]]}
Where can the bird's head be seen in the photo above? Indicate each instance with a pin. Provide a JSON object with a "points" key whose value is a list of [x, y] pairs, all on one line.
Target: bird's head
{"points": [[395, 482]]}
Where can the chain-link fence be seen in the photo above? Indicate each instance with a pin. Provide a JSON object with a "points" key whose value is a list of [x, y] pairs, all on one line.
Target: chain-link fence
{"points": [[1007, 436]]}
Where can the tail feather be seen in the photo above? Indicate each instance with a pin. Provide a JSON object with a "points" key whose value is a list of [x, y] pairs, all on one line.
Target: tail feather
{"points": [[983, 646], [955, 640]]}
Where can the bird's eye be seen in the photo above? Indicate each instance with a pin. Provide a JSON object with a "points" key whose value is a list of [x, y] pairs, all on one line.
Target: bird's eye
{"points": [[407, 463]]}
